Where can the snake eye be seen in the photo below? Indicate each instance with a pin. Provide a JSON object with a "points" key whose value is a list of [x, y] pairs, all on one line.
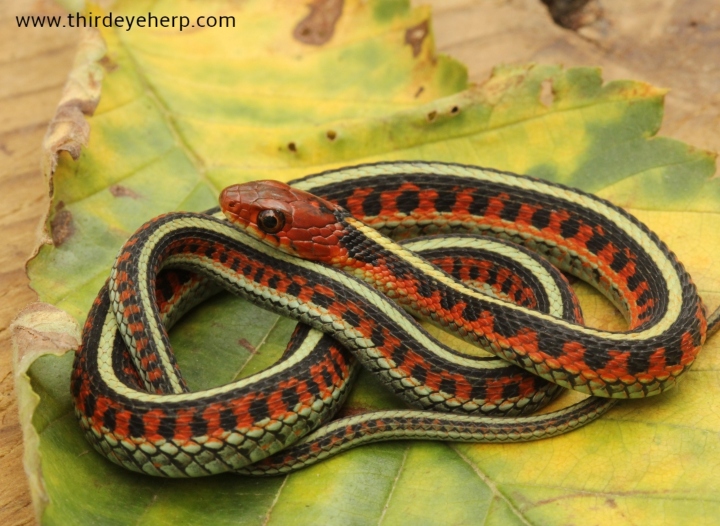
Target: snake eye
{"points": [[271, 221]]}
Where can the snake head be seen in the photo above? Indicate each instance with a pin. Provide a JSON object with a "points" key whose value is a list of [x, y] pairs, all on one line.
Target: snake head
{"points": [[292, 220]]}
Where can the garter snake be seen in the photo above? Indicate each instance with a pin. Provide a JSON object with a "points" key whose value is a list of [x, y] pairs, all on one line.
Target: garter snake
{"points": [[134, 406]]}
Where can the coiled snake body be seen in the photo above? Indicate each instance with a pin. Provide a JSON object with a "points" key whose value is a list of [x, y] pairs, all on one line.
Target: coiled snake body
{"points": [[132, 401]]}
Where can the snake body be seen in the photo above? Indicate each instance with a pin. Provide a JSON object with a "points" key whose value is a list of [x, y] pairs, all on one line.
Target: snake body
{"points": [[133, 403]]}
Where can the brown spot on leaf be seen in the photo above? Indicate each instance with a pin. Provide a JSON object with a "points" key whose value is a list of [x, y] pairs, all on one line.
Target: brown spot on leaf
{"points": [[415, 35], [318, 26], [108, 64], [419, 91], [547, 96], [292, 147], [247, 345], [431, 116], [454, 110], [118, 190], [332, 135], [62, 226]]}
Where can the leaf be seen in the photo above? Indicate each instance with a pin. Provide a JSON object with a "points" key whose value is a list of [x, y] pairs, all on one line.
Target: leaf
{"points": [[182, 114]]}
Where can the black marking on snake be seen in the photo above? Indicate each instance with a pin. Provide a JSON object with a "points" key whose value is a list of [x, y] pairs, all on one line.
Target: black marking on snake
{"points": [[457, 267], [424, 289], [507, 285], [547, 343], [290, 397], [510, 210], [377, 336], [644, 298], [479, 204], [327, 376], [492, 275], [620, 259], [408, 201], [634, 281], [419, 373], [294, 289], [478, 391], [507, 327], [570, 227], [77, 383], [371, 204], [166, 289], [166, 428], [448, 299], [322, 300], [697, 339], [228, 420], [673, 355], [448, 386], [259, 275], [511, 391], [400, 269], [109, 419], [399, 353], [471, 312], [273, 281], [258, 408], [338, 364], [198, 425], [152, 365], [352, 318], [638, 364], [135, 317], [445, 201], [541, 218], [136, 426], [340, 202], [596, 360], [597, 242], [90, 403]]}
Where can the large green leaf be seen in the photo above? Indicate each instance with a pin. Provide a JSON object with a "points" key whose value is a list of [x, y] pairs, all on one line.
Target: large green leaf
{"points": [[183, 114]]}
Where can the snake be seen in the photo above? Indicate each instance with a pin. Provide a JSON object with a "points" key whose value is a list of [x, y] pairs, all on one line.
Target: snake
{"points": [[320, 251]]}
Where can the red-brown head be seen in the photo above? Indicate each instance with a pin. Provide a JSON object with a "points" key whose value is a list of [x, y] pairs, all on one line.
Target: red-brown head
{"points": [[295, 221]]}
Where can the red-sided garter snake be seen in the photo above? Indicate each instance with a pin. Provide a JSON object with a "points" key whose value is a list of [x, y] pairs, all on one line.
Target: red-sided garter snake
{"points": [[179, 434]]}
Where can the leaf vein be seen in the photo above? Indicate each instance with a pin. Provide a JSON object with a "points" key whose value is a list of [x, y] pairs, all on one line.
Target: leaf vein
{"points": [[492, 486]]}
